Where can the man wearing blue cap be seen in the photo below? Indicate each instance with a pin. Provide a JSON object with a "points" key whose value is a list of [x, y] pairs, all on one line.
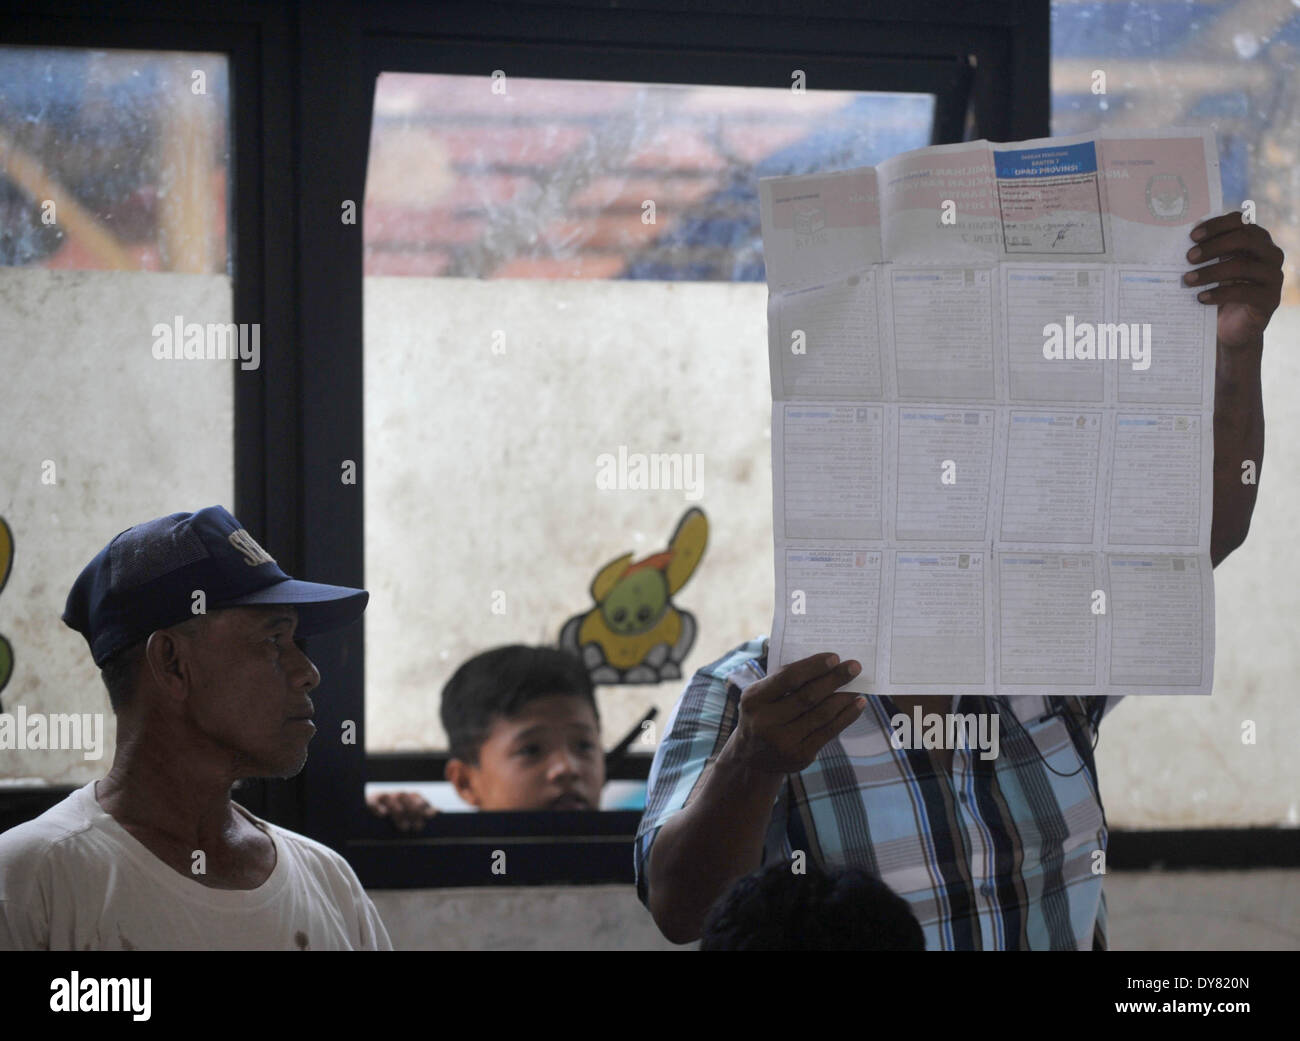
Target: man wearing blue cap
{"points": [[194, 627]]}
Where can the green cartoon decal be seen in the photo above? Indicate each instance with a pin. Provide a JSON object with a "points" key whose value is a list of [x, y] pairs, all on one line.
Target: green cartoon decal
{"points": [[6, 563], [635, 634]]}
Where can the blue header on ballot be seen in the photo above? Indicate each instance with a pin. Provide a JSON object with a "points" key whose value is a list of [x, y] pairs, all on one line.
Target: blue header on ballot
{"points": [[1059, 161]]}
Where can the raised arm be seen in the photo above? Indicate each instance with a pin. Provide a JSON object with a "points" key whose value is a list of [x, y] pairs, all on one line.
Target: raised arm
{"points": [[1248, 269], [784, 720]]}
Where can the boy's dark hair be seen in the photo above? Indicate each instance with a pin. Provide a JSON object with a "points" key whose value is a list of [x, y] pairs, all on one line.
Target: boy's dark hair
{"points": [[500, 682], [774, 909]]}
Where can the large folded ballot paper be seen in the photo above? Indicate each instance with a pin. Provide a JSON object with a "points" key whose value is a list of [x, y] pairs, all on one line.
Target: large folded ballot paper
{"points": [[992, 417]]}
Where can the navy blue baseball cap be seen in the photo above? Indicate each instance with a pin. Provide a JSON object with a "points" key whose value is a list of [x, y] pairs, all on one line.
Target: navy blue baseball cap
{"points": [[146, 578]]}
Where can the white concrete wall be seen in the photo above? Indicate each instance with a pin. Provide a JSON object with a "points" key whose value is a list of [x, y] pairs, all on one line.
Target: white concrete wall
{"points": [[480, 476], [456, 433], [1147, 911], [131, 437], [480, 471], [540, 918]]}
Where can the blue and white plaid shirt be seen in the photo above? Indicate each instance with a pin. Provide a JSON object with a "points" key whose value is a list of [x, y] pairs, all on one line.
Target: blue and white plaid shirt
{"points": [[997, 856]]}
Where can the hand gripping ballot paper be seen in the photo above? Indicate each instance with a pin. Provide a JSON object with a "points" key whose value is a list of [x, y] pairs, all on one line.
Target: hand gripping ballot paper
{"points": [[992, 417]]}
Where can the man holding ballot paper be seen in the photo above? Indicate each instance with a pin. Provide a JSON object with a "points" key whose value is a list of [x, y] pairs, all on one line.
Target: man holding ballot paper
{"points": [[960, 513]]}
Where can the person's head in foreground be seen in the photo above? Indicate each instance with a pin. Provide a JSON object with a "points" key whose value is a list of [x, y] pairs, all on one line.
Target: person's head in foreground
{"points": [[777, 909], [523, 731], [194, 628], [227, 690]]}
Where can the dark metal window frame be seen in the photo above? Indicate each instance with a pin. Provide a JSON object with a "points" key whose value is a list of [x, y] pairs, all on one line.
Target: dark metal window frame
{"points": [[257, 40], [302, 84]]}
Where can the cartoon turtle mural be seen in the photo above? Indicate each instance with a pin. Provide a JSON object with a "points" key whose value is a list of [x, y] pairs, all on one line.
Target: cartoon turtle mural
{"points": [[635, 633]]}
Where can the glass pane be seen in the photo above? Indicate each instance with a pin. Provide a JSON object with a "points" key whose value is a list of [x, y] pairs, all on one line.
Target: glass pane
{"points": [[1231, 66], [113, 200], [113, 160], [555, 179], [541, 326]]}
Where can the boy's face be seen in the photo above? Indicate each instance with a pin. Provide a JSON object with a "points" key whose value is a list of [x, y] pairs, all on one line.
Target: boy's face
{"points": [[547, 756]]}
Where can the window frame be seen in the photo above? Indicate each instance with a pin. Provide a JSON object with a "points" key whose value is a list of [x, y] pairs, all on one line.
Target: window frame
{"points": [[302, 82], [255, 40], [630, 46]]}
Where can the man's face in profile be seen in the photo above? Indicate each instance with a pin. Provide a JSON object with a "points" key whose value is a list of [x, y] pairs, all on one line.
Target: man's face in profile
{"points": [[250, 687], [546, 756]]}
